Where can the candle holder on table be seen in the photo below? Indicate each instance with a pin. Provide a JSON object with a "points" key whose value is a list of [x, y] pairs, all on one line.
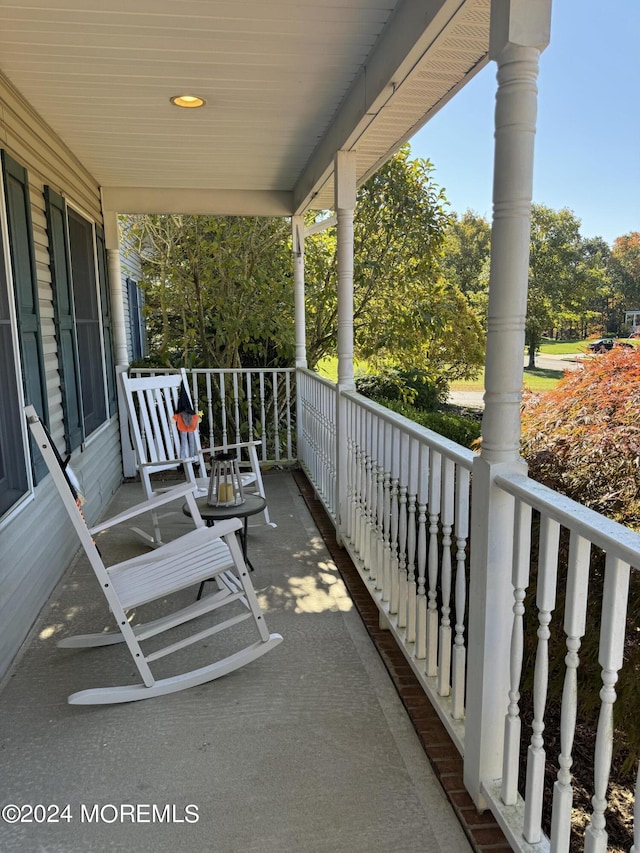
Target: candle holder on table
{"points": [[225, 484]]}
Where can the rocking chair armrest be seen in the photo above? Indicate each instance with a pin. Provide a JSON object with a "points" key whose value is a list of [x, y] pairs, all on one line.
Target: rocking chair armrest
{"points": [[223, 528], [147, 506], [162, 463], [224, 447]]}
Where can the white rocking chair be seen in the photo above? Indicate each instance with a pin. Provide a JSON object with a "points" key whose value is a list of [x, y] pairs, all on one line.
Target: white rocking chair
{"points": [[199, 555], [151, 404]]}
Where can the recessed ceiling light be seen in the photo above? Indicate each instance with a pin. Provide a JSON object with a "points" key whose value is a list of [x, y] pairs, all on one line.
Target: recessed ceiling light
{"points": [[187, 101]]}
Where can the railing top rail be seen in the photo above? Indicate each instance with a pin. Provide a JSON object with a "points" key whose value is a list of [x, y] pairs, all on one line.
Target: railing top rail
{"points": [[316, 376], [461, 455], [217, 370], [606, 534]]}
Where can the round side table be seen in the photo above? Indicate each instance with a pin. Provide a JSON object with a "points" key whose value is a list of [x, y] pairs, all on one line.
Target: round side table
{"points": [[253, 504]]}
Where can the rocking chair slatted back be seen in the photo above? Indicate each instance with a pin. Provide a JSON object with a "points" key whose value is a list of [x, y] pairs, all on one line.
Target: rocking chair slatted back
{"points": [[154, 399], [152, 402]]}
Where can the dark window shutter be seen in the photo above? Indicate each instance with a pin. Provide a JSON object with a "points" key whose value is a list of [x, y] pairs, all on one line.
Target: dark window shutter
{"points": [[105, 303], [26, 292], [65, 319], [134, 319], [87, 311], [13, 472]]}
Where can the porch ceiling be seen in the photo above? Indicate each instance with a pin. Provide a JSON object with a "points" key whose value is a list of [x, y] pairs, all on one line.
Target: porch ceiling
{"points": [[287, 83]]}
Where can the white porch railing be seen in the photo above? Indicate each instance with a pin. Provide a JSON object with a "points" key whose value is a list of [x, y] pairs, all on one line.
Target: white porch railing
{"points": [[246, 405], [404, 519], [317, 435]]}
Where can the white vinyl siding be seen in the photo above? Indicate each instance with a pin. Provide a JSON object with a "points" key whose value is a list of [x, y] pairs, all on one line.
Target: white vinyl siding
{"points": [[31, 564]]}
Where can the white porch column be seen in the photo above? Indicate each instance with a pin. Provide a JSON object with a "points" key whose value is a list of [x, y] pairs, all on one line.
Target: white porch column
{"points": [[297, 228], [519, 32], [114, 270], [345, 202], [297, 243], [121, 356]]}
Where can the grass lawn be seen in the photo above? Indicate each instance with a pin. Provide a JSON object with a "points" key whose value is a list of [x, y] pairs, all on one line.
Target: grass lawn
{"points": [[535, 380], [549, 347]]}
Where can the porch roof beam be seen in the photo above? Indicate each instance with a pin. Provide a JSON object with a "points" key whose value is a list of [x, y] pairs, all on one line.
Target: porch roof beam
{"points": [[211, 202], [406, 39]]}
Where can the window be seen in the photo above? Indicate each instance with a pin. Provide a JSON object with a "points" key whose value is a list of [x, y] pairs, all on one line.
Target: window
{"points": [[83, 319]]}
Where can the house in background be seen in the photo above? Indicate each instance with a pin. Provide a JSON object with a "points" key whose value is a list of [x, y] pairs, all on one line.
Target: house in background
{"points": [[300, 104], [632, 319]]}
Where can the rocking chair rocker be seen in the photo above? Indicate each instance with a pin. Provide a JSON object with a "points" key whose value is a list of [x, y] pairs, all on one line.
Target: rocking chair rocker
{"points": [[199, 555]]}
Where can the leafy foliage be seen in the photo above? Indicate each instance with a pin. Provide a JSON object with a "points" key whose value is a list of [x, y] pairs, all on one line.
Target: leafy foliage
{"points": [[583, 438], [404, 310], [625, 268], [562, 273], [409, 386], [465, 262], [459, 428], [218, 289]]}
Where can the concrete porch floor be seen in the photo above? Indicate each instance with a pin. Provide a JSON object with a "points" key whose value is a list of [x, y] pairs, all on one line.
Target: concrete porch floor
{"points": [[306, 749]]}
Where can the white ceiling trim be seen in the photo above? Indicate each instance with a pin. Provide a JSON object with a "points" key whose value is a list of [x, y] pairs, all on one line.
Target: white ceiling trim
{"points": [[197, 201]]}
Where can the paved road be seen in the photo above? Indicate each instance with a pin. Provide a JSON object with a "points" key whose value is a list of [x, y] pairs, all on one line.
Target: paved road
{"points": [[556, 362], [473, 399]]}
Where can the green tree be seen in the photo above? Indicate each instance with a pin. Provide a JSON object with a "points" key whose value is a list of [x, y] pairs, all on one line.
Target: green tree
{"points": [[405, 312], [624, 266], [465, 261], [218, 289], [562, 273]]}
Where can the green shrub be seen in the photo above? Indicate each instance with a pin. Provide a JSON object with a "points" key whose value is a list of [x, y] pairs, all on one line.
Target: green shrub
{"points": [[408, 386], [458, 428]]}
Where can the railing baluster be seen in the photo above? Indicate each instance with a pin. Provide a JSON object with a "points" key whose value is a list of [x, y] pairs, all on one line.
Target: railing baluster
{"points": [[612, 631], [411, 539], [432, 606], [546, 601], [368, 497], [223, 407], [386, 522], [349, 410], [459, 649], [395, 476], [359, 483], [250, 405], [402, 531], [263, 416], [575, 618], [288, 408], [444, 664], [380, 504], [236, 407], [520, 581], [421, 607], [212, 437], [276, 415]]}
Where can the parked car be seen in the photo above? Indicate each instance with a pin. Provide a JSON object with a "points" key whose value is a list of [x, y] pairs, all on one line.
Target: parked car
{"points": [[603, 345]]}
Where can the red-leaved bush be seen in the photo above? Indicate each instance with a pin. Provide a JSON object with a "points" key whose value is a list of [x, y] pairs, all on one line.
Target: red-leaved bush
{"points": [[583, 438]]}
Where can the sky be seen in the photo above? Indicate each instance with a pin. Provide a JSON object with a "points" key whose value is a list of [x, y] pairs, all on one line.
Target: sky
{"points": [[587, 154]]}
